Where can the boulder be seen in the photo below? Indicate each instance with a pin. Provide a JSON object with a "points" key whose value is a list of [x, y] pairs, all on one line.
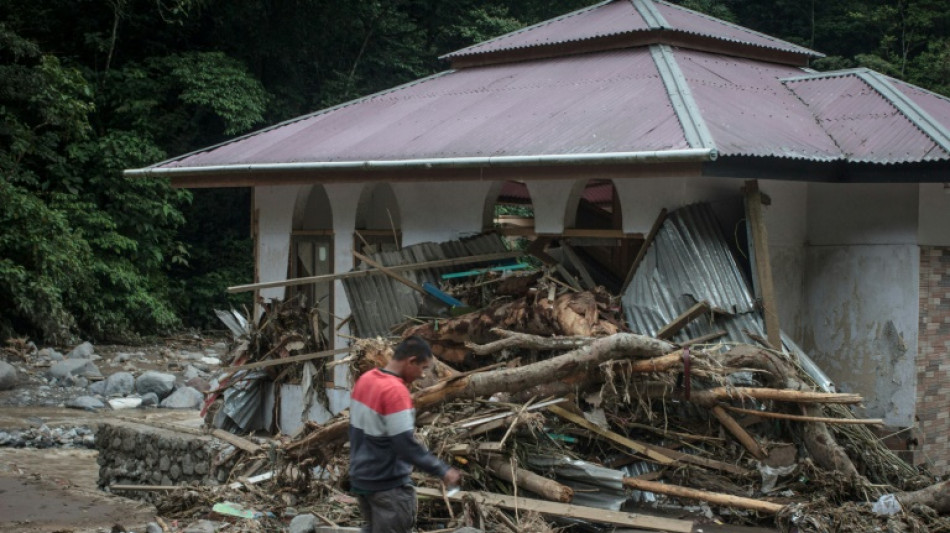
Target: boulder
{"points": [[199, 384], [74, 367], [98, 388], [119, 384], [183, 398], [160, 383], [85, 402], [304, 523], [149, 399], [83, 351], [8, 376]]}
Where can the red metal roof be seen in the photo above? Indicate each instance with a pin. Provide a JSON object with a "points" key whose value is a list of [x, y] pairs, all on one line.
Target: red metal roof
{"points": [[639, 99], [867, 126], [750, 112], [622, 17], [606, 102]]}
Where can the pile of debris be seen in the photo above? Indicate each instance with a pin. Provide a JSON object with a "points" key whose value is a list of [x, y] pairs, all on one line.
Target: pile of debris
{"points": [[567, 406]]}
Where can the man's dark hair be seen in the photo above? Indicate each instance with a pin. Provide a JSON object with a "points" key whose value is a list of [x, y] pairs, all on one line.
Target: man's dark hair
{"points": [[414, 346]]}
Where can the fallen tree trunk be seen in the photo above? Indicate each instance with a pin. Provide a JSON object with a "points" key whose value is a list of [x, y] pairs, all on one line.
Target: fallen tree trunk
{"points": [[517, 340], [937, 497], [581, 362], [526, 479]]}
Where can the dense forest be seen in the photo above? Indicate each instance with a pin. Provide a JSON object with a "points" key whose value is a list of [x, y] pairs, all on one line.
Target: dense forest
{"points": [[91, 87]]}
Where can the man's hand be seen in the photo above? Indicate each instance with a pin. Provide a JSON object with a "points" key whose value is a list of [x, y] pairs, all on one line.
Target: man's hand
{"points": [[452, 478]]}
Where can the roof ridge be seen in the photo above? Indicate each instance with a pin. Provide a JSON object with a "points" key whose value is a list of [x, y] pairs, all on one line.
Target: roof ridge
{"points": [[654, 19], [527, 28], [930, 126], [304, 117], [681, 98], [734, 26]]}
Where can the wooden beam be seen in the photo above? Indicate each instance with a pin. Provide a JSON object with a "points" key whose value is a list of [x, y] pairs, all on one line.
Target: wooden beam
{"points": [[238, 442], [681, 321], [705, 338], [803, 418], [763, 267], [592, 514], [738, 432], [389, 272], [638, 447], [642, 252], [288, 360], [706, 496], [370, 272], [572, 256]]}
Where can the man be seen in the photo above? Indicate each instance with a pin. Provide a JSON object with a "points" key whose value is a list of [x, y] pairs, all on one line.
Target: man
{"points": [[383, 449]]}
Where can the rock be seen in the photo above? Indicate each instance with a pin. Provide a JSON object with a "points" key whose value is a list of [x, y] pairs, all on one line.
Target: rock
{"points": [[183, 398], [199, 384], [121, 358], [304, 523], [83, 351], [119, 384], [191, 372], [149, 399], [74, 367], [158, 382], [125, 403], [201, 526], [98, 388], [8, 376], [85, 402], [152, 527]]}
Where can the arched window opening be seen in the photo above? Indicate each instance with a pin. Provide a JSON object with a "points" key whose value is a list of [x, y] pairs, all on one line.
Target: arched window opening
{"points": [[378, 221], [312, 255]]}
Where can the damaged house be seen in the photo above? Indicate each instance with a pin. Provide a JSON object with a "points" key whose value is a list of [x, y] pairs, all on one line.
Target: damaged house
{"points": [[606, 126]]}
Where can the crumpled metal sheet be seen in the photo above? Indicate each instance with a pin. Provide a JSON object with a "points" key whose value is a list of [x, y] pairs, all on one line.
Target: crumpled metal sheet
{"points": [[690, 261], [378, 302], [594, 486], [243, 402]]}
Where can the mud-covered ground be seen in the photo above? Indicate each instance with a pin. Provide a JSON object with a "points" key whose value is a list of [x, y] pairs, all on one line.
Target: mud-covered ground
{"points": [[48, 469]]}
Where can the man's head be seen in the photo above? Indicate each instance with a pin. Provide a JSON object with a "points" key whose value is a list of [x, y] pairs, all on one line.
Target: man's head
{"points": [[411, 358]]}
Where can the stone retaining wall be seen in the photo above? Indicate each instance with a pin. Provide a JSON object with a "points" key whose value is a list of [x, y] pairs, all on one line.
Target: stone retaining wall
{"points": [[132, 454]]}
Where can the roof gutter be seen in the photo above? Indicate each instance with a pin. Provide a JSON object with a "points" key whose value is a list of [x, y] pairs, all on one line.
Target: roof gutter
{"points": [[691, 155]]}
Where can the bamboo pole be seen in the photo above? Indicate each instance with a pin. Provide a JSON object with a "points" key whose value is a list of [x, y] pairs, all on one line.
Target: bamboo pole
{"points": [[740, 434], [804, 418]]}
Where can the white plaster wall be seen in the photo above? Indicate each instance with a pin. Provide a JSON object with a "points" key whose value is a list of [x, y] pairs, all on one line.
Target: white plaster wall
{"points": [[549, 199], [642, 198], [934, 219], [862, 306], [439, 212], [862, 213], [344, 197], [274, 206], [786, 223], [861, 292]]}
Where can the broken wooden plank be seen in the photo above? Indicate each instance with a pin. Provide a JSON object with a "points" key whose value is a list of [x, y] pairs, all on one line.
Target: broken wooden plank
{"points": [[638, 447], [238, 442], [540, 485], [370, 272], [288, 360], [706, 496], [763, 266], [642, 252], [804, 418], [592, 514], [575, 260], [681, 321], [705, 338], [738, 432]]}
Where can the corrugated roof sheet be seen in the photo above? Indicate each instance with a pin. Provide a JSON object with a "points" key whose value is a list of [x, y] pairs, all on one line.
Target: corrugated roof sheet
{"points": [[869, 126], [619, 101], [606, 102], [622, 17], [750, 112], [697, 23], [378, 302], [690, 261]]}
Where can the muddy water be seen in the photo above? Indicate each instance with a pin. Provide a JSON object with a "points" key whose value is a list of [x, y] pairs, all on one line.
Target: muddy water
{"points": [[55, 489]]}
